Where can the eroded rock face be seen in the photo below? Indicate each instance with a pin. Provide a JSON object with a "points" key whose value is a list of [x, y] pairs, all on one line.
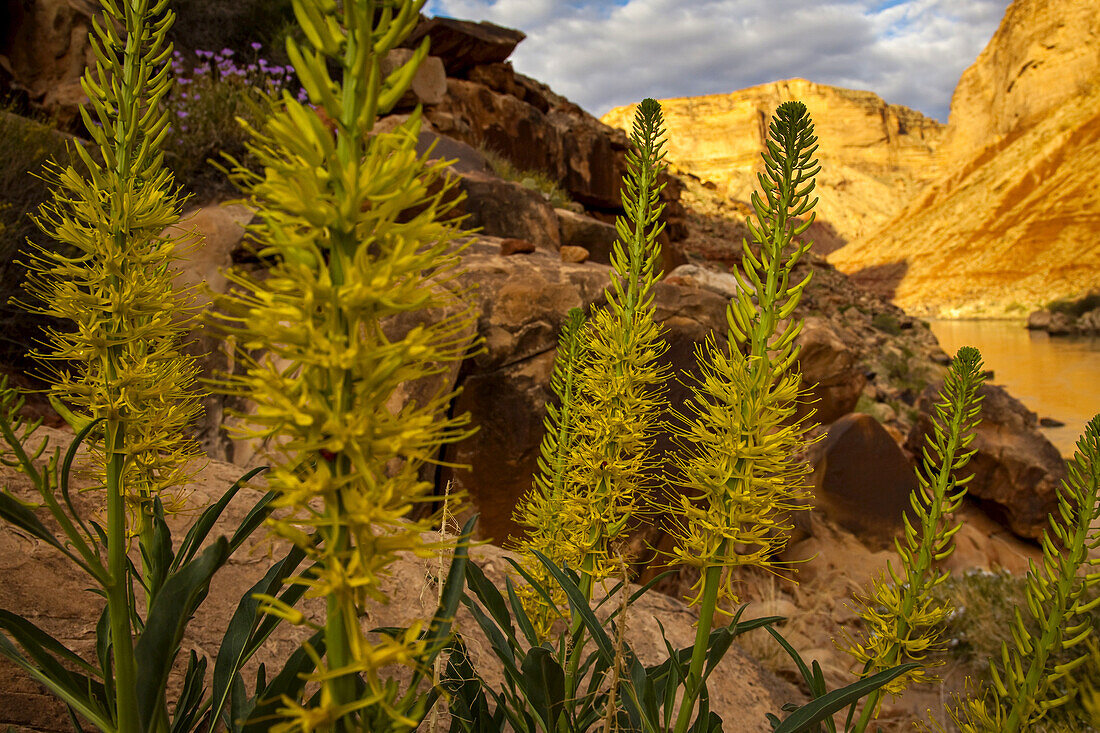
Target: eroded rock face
{"points": [[1042, 56], [1012, 219], [584, 155], [1016, 469], [874, 155]]}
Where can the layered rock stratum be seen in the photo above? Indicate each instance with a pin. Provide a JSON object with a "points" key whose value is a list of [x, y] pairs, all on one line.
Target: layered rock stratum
{"points": [[993, 215], [874, 156], [1012, 223]]}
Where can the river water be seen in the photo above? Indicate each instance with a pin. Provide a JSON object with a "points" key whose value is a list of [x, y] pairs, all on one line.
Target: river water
{"points": [[1055, 377]]}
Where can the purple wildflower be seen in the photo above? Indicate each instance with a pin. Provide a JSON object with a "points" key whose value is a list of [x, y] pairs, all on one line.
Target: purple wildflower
{"points": [[227, 52], [181, 113], [256, 46]]}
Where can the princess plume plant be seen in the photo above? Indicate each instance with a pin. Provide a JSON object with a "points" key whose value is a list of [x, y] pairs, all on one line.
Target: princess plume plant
{"points": [[133, 387], [619, 390], [336, 205], [903, 619], [540, 510], [1026, 684], [741, 477]]}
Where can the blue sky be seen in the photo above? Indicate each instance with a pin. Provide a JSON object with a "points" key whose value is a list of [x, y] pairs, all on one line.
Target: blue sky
{"points": [[605, 53]]}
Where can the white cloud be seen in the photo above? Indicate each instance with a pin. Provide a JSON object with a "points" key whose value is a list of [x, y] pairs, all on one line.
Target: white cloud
{"points": [[604, 53]]}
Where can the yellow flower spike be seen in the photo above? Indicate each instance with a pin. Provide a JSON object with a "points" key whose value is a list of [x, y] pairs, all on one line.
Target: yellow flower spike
{"points": [[541, 510], [119, 292], [904, 623], [618, 392], [1026, 681], [745, 394], [345, 204]]}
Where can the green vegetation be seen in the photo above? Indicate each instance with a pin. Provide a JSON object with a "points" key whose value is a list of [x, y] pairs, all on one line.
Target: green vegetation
{"points": [[984, 604], [903, 621], [887, 323], [900, 370], [1075, 307], [309, 172], [213, 92], [534, 180]]}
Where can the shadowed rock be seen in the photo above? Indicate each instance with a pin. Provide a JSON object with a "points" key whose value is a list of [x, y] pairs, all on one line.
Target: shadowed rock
{"points": [[462, 44], [862, 479]]}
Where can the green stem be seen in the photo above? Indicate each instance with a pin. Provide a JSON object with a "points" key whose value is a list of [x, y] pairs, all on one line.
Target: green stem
{"points": [[338, 647], [576, 631], [693, 683], [341, 611], [118, 605]]}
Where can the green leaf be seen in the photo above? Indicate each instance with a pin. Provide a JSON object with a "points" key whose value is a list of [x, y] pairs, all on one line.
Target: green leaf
{"points": [[158, 644], [76, 691], [66, 466], [202, 526], [577, 602], [493, 601], [544, 684], [256, 717], [42, 647], [520, 613], [240, 641], [438, 633], [14, 512], [189, 703], [158, 555], [467, 703], [817, 710]]}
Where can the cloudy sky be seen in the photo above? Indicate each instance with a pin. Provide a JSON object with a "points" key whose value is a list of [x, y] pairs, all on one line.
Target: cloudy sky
{"points": [[605, 53]]}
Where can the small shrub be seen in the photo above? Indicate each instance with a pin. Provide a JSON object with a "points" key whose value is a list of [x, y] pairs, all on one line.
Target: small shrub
{"points": [[898, 365], [1075, 308], [212, 90], [984, 603], [887, 323], [534, 180]]}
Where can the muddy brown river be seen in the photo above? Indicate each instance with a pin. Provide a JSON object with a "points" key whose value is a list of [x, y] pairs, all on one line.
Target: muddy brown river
{"points": [[1056, 377]]}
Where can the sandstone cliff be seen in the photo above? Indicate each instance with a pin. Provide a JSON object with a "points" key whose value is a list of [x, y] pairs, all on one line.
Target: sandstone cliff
{"points": [[1012, 223], [1045, 53], [874, 156]]}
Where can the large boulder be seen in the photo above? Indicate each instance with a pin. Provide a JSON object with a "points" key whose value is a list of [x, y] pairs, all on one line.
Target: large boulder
{"points": [[862, 479], [579, 230], [830, 368], [44, 49], [1016, 469], [507, 209], [462, 44]]}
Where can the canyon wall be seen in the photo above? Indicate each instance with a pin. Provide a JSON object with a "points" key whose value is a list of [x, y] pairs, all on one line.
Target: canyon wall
{"points": [[874, 156], [1013, 222]]}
